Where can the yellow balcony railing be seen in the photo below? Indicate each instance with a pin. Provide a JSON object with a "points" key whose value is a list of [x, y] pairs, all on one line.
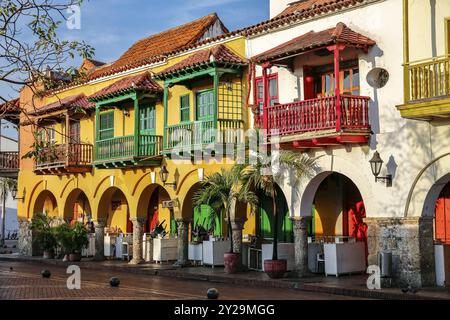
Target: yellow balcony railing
{"points": [[428, 79]]}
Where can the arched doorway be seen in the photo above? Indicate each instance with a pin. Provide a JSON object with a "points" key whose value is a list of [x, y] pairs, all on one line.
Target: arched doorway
{"points": [[46, 203], [265, 219], [204, 215], [77, 207], [150, 206], [442, 216], [338, 212], [113, 207]]}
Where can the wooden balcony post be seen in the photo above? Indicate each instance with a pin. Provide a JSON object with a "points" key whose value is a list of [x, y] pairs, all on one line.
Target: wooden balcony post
{"points": [[337, 82], [67, 146], [136, 126], [165, 106], [97, 129], [265, 66]]}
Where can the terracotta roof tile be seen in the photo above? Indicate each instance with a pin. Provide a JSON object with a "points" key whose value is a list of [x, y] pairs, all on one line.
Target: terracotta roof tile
{"points": [[219, 54], [12, 106], [71, 102], [140, 82], [153, 48], [314, 40]]}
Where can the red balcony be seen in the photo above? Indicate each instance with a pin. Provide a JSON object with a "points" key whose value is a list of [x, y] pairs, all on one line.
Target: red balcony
{"points": [[314, 122], [9, 164], [65, 159]]}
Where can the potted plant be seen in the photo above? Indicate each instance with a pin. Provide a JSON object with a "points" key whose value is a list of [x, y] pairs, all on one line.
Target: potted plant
{"points": [[72, 239], [261, 176], [44, 234], [221, 191]]}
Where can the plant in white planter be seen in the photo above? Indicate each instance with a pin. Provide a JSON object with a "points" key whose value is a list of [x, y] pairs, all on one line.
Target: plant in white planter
{"points": [[261, 176], [221, 191]]}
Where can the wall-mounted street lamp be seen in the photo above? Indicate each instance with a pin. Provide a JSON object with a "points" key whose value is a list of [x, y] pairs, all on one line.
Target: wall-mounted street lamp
{"points": [[375, 164], [14, 194], [164, 175]]}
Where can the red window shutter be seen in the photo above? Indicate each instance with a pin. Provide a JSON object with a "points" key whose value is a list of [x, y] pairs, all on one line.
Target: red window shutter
{"points": [[440, 220]]}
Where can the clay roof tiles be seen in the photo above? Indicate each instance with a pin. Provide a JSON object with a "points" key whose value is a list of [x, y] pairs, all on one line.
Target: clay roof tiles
{"points": [[71, 102], [140, 82], [219, 54], [154, 48], [314, 40]]}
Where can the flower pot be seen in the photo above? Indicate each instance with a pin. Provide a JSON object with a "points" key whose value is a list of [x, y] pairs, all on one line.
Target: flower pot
{"points": [[49, 254], [75, 257], [232, 262], [275, 269]]}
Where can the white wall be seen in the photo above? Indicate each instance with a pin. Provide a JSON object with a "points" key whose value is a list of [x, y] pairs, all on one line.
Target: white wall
{"points": [[406, 146]]}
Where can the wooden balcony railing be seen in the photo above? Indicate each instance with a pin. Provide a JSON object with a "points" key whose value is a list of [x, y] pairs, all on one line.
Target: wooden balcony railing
{"points": [[318, 114], [124, 147], [9, 161], [63, 156], [188, 135], [428, 78]]}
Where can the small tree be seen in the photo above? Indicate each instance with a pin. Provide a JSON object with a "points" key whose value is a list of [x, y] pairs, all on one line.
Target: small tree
{"points": [[220, 191], [261, 176], [44, 232]]}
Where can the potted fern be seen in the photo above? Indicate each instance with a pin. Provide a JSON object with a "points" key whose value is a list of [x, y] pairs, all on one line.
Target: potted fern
{"points": [[72, 239], [44, 235]]}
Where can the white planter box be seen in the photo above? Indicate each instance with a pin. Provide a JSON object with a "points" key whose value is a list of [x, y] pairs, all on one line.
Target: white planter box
{"points": [[195, 252], [109, 245], [442, 262], [164, 250], [344, 258], [89, 251], [213, 252], [285, 251]]}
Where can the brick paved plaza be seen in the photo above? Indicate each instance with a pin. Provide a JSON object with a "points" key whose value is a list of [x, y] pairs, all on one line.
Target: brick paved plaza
{"points": [[25, 282]]}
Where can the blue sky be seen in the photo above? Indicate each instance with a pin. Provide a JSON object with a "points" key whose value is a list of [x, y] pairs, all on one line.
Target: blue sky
{"points": [[112, 26]]}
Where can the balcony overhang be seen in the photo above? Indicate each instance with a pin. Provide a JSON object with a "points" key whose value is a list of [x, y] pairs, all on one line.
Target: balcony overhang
{"points": [[129, 162], [341, 36], [428, 110]]}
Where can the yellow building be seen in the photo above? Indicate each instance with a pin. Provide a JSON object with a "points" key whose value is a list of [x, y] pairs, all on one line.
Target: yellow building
{"points": [[99, 146]]}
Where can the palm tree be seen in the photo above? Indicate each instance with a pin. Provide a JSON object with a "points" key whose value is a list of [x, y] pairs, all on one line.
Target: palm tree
{"points": [[261, 176], [6, 187], [220, 191]]}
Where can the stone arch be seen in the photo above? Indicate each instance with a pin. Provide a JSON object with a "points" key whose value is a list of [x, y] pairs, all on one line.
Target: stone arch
{"points": [[46, 202], [151, 195], [114, 208], [302, 196], [428, 188], [76, 197]]}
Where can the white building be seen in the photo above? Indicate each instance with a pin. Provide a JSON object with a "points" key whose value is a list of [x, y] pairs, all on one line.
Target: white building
{"points": [[297, 49]]}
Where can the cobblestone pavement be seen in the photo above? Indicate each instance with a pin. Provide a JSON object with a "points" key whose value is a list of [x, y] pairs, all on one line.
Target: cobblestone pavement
{"points": [[25, 282]]}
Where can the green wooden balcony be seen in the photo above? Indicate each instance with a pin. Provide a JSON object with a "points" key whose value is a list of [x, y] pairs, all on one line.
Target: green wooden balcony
{"points": [[199, 134], [128, 151]]}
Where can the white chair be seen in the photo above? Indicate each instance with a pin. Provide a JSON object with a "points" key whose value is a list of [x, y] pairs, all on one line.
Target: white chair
{"points": [[127, 247]]}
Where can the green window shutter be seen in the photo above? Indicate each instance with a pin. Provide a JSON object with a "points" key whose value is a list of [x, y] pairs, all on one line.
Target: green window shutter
{"points": [[147, 116], [106, 126], [185, 108]]}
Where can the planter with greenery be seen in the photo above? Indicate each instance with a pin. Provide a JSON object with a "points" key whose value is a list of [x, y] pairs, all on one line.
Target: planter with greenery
{"points": [[44, 234], [261, 177], [221, 191], [72, 239]]}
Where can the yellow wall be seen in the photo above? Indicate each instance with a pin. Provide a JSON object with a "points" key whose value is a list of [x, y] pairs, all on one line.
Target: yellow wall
{"points": [[427, 39], [132, 183], [328, 209]]}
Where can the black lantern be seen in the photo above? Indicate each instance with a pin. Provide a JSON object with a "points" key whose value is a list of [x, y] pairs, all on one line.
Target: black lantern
{"points": [[375, 164], [164, 175], [14, 192]]}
